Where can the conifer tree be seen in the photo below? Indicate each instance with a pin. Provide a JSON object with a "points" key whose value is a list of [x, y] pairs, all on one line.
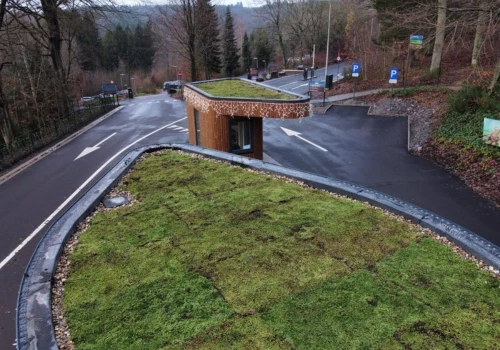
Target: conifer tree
{"points": [[89, 44], [110, 55], [207, 38], [246, 55], [231, 57]]}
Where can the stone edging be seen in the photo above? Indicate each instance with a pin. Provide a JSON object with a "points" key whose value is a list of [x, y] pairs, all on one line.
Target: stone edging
{"points": [[34, 315]]}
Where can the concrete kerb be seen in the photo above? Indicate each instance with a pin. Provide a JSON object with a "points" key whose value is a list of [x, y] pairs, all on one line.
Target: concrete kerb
{"points": [[34, 316]]}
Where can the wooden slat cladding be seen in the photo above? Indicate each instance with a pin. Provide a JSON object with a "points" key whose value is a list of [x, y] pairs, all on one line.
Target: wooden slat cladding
{"points": [[286, 109], [215, 116]]}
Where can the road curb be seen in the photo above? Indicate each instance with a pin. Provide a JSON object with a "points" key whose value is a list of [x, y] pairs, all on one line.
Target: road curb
{"points": [[58, 145], [34, 316]]}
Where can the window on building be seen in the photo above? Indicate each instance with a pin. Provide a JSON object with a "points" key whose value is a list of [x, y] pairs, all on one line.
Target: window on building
{"points": [[197, 127], [241, 135]]}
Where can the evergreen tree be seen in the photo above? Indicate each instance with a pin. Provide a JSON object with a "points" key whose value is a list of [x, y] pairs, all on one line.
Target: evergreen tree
{"points": [[122, 42], [147, 48], [89, 45], [110, 54], [133, 47], [231, 57], [207, 38], [261, 44], [246, 55]]}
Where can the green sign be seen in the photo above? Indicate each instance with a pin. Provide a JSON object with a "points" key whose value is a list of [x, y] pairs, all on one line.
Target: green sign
{"points": [[491, 132], [416, 41]]}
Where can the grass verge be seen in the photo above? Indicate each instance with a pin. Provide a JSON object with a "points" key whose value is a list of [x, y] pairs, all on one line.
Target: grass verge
{"points": [[217, 257]]}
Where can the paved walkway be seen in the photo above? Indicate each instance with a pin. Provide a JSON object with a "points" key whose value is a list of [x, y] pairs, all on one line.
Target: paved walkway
{"points": [[350, 95]]}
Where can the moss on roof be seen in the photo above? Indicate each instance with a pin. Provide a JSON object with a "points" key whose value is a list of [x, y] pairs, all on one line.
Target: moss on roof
{"points": [[240, 88]]}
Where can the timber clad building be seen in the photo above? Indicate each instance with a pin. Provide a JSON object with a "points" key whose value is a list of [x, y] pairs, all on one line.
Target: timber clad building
{"points": [[227, 114]]}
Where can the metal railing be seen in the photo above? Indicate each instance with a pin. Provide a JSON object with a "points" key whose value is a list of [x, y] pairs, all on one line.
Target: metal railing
{"points": [[83, 112]]}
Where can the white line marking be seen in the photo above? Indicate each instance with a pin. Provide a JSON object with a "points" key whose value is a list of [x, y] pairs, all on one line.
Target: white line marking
{"points": [[178, 127], [172, 126], [91, 149], [296, 134], [74, 194], [42, 155], [288, 84], [184, 129], [299, 86]]}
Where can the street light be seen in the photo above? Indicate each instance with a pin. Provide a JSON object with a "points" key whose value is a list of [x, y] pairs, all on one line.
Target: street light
{"points": [[133, 83], [328, 41], [265, 67], [121, 79], [255, 58]]}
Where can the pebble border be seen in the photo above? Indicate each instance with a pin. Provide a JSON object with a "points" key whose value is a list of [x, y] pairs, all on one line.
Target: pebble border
{"points": [[34, 327]]}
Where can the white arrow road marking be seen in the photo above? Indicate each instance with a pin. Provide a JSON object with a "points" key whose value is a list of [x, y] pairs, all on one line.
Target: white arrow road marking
{"points": [[296, 134], [74, 194], [184, 129], [299, 86], [93, 148], [172, 126], [178, 127]]}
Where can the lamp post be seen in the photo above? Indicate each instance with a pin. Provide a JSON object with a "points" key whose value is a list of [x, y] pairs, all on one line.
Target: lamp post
{"points": [[255, 58], [121, 79], [133, 85], [327, 41], [265, 67]]}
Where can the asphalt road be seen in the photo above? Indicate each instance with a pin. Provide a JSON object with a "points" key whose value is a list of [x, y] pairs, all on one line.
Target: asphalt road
{"points": [[371, 151], [297, 84], [34, 194]]}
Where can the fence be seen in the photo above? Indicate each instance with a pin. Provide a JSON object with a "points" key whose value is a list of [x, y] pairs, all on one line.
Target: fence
{"points": [[82, 113]]}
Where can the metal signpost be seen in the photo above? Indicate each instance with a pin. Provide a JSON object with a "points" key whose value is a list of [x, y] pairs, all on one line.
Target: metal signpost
{"points": [[393, 79], [416, 42], [338, 66], [356, 68]]}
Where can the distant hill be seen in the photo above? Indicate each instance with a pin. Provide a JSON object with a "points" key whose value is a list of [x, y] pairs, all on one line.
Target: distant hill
{"points": [[244, 17]]}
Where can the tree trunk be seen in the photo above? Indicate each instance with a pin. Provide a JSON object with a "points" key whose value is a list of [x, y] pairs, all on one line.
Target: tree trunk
{"points": [[478, 40], [6, 125], [496, 75], [440, 31], [282, 47], [50, 10]]}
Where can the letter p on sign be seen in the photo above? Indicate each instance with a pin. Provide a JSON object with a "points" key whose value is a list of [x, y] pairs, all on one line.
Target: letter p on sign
{"points": [[393, 79]]}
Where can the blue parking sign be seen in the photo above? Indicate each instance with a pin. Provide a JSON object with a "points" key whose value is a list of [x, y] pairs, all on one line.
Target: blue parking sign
{"points": [[393, 76], [356, 67]]}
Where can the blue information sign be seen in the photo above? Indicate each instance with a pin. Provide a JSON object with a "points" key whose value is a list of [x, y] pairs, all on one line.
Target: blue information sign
{"points": [[393, 76], [356, 67]]}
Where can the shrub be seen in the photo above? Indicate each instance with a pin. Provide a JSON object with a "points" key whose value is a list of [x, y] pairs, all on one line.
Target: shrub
{"points": [[472, 99]]}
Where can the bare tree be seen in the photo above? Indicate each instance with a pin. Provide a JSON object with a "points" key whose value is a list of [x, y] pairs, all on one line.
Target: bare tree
{"points": [[178, 19], [6, 127], [273, 13], [437, 52]]}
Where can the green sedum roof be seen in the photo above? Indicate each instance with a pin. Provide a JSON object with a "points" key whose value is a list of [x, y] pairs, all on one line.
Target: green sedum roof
{"points": [[240, 88]]}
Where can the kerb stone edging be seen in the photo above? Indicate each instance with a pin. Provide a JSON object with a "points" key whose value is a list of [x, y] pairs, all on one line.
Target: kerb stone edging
{"points": [[34, 316]]}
